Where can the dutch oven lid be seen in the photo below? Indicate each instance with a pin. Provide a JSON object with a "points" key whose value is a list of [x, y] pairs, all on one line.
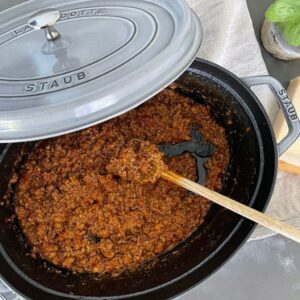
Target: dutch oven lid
{"points": [[84, 62]]}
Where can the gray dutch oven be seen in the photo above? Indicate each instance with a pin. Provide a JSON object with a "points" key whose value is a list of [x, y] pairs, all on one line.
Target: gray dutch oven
{"points": [[76, 76]]}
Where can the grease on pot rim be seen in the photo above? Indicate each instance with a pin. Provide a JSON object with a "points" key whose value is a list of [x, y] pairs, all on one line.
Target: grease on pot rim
{"points": [[79, 216]]}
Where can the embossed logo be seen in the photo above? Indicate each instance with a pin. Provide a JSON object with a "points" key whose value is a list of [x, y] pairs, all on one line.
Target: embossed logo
{"points": [[79, 13], [53, 84], [22, 30], [288, 104], [72, 14]]}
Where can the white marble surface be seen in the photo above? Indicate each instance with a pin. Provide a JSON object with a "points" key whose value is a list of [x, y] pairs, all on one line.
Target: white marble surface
{"points": [[267, 269]]}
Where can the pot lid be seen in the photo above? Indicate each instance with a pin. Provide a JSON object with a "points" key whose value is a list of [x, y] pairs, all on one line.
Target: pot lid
{"points": [[85, 61]]}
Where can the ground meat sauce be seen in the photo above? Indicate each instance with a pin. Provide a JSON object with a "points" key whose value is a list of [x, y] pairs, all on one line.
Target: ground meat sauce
{"points": [[79, 216], [139, 161]]}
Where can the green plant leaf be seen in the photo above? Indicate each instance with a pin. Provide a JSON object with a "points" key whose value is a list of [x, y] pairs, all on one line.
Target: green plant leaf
{"points": [[283, 11], [291, 32]]}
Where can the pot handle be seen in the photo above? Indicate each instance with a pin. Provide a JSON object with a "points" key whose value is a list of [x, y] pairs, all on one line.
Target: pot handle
{"points": [[285, 104]]}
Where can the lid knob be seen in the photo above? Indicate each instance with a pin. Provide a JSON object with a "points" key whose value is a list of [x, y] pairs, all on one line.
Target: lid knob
{"points": [[46, 19]]}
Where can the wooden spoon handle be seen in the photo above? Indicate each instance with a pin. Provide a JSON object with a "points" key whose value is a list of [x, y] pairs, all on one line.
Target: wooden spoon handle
{"points": [[234, 206]]}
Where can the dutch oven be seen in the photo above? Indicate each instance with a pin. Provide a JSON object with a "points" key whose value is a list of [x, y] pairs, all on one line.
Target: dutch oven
{"points": [[254, 151]]}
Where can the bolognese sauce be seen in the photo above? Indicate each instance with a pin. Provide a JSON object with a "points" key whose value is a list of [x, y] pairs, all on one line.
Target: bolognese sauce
{"points": [[77, 211]]}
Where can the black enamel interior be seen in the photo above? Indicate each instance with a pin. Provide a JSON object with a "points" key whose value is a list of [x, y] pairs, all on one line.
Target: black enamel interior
{"points": [[250, 179]]}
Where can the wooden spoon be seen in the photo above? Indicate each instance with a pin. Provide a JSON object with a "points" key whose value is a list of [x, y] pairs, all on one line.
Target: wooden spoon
{"points": [[237, 207]]}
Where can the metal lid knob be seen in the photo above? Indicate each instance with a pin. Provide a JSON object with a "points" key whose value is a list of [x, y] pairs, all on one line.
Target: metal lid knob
{"points": [[46, 19]]}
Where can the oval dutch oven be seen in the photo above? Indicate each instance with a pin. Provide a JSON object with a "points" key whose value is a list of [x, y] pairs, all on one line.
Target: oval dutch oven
{"points": [[254, 151]]}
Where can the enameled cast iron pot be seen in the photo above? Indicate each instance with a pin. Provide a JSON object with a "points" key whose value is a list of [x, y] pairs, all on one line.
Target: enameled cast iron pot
{"points": [[250, 179]]}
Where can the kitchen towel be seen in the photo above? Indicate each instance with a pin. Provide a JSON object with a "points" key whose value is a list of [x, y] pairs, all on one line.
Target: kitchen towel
{"points": [[229, 40]]}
